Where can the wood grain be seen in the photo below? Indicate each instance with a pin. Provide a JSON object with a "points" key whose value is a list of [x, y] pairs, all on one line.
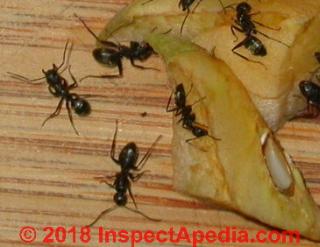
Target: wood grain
{"points": [[46, 174]]}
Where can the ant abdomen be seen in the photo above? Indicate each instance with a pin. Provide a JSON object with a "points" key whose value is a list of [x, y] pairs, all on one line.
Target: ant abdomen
{"points": [[256, 47], [198, 132], [106, 57], [81, 106], [120, 198], [310, 90]]}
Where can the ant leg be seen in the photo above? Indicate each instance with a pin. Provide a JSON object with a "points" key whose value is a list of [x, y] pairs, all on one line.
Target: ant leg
{"points": [[139, 212], [55, 113], [190, 90], [199, 100], [70, 116], [105, 180], [135, 178], [99, 76], [279, 41], [233, 32], [242, 56], [113, 146], [139, 66], [75, 83], [132, 197], [120, 68], [312, 112], [25, 79], [147, 155], [263, 25], [184, 20], [168, 104], [101, 214]]}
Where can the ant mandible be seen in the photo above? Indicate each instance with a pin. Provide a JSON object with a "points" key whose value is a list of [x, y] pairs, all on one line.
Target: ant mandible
{"points": [[58, 87], [130, 172], [188, 118], [111, 54], [244, 24]]}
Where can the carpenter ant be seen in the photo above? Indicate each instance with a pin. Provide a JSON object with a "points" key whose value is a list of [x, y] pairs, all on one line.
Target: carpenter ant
{"points": [[246, 25], [111, 54], [188, 118], [311, 91], [130, 172], [186, 6], [58, 87]]}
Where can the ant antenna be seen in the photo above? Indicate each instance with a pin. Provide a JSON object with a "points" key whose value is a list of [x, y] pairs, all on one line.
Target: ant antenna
{"points": [[199, 100], [267, 36], [104, 42], [184, 20], [86, 27], [25, 79], [64, 55], [101, 214], [139, 212], [148, 154]]}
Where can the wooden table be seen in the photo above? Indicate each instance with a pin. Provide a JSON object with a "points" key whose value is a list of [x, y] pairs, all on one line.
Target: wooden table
{"points": [[47, 173]]}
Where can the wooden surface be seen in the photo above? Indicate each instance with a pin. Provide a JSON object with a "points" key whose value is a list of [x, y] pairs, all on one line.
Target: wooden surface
{"points": [[46, 174]]}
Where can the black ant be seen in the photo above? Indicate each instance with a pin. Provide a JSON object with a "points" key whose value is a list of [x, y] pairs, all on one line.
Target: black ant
{"points": [[188, 118], [130, 172], [58, 87], [186, 6], [246, 25], [111, 54], [311, 91]]}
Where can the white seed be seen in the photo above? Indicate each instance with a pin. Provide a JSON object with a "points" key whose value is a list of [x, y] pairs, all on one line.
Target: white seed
{"points": [[277, 164]]}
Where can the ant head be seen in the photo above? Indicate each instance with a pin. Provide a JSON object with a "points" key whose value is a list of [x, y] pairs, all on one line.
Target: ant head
{"points": [[120, 199], [308, 88], [128, 156], [142, 50], [52, 75], [106, 57], [81, 106], [243, 7]]}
